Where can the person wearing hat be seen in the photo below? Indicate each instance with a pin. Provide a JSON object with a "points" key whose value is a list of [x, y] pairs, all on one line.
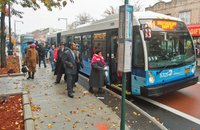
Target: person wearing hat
{"points": [[60, 70], [31, 59]]}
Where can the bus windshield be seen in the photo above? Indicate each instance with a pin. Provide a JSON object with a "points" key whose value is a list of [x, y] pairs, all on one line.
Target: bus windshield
{"points": [[170, 45]]}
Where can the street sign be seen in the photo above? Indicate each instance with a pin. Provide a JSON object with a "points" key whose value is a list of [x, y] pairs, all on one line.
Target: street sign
{"points": [[125, 38]]}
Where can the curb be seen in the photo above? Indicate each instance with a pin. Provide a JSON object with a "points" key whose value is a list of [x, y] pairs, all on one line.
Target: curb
{"points": [[11, 75], [161, 126], [28, 120]]}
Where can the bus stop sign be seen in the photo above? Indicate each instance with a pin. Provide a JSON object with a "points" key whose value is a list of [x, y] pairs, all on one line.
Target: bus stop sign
{"points": [[125, 38]]}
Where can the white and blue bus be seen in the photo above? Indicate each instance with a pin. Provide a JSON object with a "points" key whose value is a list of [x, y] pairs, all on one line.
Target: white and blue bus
{"points": [[25, 39], [163, 55]]}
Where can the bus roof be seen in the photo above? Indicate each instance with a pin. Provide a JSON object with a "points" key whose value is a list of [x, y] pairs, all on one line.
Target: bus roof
{"points": [[112, 22]]}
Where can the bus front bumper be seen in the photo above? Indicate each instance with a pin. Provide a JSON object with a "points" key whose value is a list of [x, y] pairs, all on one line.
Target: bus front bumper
{"points": [[159, 90]]}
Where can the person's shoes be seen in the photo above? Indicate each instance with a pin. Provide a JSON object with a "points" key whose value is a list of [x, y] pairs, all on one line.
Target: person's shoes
{"points": [[91, 90], [56, 82], [71, 95], [33, 75], [29, 77], [100, 91]]}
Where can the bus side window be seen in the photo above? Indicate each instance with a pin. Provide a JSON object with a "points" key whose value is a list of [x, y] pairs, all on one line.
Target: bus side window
{"points": [[138, 52], [86, 48]]}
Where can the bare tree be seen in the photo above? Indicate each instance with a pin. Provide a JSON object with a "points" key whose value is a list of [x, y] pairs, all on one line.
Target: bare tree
{"points": [[137, 5], [83, 18], [110, 11]]}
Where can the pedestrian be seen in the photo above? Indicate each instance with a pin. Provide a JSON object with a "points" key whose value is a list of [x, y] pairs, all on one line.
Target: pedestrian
{"points": [[198, 49], [97, 75], [59, 69], [78, 61], [50, 57], [42, 55], [70, 65], [31, 59]]}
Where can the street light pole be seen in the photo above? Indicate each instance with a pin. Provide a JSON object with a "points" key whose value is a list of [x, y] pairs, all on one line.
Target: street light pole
{"points": [[65, 20], [15, 26]]}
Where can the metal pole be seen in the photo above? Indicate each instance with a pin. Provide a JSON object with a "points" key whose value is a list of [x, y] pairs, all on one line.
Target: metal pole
{"points": [[15, 28], [123, 106], [126, 2], [11, 46]]}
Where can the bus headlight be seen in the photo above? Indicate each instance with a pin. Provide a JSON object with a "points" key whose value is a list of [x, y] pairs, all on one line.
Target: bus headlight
{"points": [[193, 69], [151, 79]]}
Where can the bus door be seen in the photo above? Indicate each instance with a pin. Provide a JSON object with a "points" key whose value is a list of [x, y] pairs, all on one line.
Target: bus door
{"points": [[115, 77], [99, 42], [86, 53]]}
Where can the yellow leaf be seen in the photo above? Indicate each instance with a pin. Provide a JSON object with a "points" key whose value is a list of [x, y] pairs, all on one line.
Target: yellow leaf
{"points": [[83, 110], [50, 126], [135, 113]]}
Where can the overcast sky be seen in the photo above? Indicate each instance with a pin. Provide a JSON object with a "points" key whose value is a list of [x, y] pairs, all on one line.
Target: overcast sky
{"points": [[42, 18]]}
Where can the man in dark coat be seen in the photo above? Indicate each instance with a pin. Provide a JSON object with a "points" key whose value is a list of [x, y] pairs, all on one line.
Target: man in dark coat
{"points": [[60, 70], [42, 53], [70, 65]]}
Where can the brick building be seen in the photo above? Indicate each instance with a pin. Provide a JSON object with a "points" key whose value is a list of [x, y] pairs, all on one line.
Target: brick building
{"points": [[187, 10]]}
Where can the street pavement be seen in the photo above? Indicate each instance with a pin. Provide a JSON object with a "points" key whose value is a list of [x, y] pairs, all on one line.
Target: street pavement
{"points": [[53, 109]]}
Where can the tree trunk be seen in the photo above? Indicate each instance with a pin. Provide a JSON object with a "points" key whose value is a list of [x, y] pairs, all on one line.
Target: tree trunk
{"points": [[2, 42]]}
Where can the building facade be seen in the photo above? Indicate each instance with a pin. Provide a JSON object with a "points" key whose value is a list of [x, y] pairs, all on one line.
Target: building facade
{"points": [[187, 10], [41, 35]]}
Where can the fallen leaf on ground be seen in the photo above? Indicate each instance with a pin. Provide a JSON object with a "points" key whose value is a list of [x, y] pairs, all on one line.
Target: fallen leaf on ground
{"points": [[50, 126]]}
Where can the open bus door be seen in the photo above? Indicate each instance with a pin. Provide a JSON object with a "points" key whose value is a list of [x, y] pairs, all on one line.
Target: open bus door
{"points": [[115, 76]]}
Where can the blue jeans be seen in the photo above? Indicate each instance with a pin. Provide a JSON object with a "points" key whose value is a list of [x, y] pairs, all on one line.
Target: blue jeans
{"points": [[52, 65], [42, 59]]}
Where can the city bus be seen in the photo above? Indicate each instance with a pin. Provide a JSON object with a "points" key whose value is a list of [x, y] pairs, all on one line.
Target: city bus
{"points": [[163, 56], [25, 39]]}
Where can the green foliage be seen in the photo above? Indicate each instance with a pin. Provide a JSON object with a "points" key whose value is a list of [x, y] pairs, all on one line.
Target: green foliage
{"points": [[48, 3], [34, 4]]}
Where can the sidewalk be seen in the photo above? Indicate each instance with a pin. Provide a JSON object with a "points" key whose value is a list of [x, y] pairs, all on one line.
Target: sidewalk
{"points": [[53, 109]]}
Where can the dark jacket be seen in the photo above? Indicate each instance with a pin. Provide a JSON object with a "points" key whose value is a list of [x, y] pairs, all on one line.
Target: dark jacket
{"points": [[41, 51], [97, 75], [69, 61]]}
